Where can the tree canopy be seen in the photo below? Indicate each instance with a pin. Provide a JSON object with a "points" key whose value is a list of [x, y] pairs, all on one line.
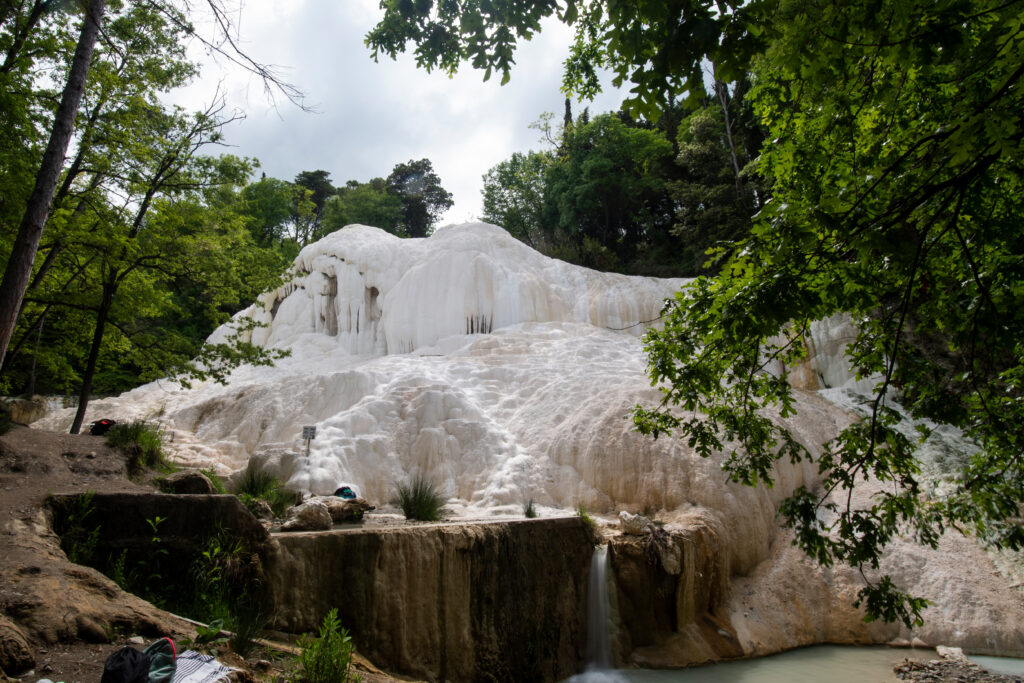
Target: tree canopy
{"points": [[419, 191], [143, 250], [630, 196], [893, 161]]}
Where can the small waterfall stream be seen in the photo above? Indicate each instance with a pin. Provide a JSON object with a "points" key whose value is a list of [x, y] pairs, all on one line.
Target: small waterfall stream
{"points": [[599, 625]]}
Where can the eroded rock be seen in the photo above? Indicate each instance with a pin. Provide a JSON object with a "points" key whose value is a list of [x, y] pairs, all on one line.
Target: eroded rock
{"points": [[309, 516], [15, 653], [501, 601], [344, 510], [635, 525], [192, 482]]}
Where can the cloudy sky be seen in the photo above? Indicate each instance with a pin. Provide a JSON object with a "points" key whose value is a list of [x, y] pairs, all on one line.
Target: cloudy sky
{"points": [[371, 116]]}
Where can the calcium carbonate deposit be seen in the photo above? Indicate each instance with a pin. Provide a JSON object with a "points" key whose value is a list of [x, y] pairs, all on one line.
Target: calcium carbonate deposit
{"points": [[501, 374], [505, 376]]}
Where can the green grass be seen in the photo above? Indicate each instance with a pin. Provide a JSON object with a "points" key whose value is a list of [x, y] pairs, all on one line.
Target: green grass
{"points": [[588, 521], [529, 509], [420, 499], [78, 534], [257, 484], [143, 442]]}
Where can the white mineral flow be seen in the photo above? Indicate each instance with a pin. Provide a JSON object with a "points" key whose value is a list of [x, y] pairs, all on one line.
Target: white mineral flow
{"points": [[499, 373]]}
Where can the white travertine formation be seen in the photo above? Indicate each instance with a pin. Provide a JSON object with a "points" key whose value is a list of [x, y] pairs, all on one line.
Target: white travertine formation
{"points": [[506, 376]]}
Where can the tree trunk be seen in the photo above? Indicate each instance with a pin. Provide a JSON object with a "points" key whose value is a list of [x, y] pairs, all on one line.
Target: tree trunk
{"points": [[722, 91], [23, 253], [102, 314]]}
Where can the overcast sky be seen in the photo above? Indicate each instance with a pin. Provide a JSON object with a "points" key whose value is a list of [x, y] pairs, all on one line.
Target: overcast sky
{"points": [[370, 116]]}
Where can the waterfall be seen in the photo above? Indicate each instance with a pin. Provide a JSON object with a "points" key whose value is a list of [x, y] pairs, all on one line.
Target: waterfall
{"points": [[599, 625]]}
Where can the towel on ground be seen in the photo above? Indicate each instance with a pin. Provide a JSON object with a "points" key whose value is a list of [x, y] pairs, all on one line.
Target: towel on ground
{"points": [[198, 668]]}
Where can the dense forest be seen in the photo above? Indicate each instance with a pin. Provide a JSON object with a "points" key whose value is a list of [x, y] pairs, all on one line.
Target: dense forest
{"points": [[621, 194]]}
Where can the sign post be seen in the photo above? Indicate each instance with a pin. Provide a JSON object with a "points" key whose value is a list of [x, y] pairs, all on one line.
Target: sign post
{"points": [[308, 433]]}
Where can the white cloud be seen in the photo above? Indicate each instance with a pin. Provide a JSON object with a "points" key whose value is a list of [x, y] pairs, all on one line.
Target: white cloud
{"points": [[370, 116]]}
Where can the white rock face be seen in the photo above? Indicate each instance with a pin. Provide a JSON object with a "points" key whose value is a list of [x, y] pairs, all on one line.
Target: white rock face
{"points": [[504, 376], [501, 374]]}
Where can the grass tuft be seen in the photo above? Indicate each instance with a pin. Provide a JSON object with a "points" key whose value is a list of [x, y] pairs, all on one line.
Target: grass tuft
{"points": [[529, 509], [420, 499], [588, 521], [215, 480], [143, 442], [256, 484]]}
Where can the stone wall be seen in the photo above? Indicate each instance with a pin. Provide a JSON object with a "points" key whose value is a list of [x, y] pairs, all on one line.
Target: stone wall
{"points": [[499, 601]]}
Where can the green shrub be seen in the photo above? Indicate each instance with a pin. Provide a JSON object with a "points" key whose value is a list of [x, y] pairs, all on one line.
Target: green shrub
{"points": [[78, 536], [529, 509], [143, 442], [257, 484], [420, 499], [326, 659]]}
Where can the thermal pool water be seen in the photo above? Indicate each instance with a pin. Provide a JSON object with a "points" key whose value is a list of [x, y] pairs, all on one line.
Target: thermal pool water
{"points": [[819, 664]]}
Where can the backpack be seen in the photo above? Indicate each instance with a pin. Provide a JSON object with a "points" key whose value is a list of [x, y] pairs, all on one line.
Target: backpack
{"points": [[161, 660], [101, 427], [127, 665]]}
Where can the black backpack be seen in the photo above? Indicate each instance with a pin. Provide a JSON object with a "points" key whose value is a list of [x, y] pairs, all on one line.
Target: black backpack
{"points": [[101, 427], [127, 665]]}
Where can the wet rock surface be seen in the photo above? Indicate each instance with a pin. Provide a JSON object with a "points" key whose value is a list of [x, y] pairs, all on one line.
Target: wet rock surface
{"points": [[496, 601], [949, 671]]}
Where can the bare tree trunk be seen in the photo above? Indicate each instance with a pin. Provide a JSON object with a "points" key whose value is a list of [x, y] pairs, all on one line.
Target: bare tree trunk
{"points": [[23, 253], [722, 91], [102, 315]]}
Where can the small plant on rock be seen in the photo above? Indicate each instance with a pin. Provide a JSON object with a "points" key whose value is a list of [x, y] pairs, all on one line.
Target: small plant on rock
{"points": [[529, 509], [215, 480], [257, 484], [420, 499], [326, 658], [588, 521], [143, 442]]}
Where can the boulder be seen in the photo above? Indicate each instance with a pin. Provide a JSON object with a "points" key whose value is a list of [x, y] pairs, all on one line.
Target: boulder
{"points": [[311, 516], [261, 509], [26, 410], [15, 653], [344, 510], [188, 481], [635, 525]]}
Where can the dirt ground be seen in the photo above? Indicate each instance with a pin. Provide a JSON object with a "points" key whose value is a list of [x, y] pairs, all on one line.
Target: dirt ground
{"points": [[71, 617]]}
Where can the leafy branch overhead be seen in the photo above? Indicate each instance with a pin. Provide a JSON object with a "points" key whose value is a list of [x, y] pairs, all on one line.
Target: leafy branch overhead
{"points": [[658, 47], [890, 193]]}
